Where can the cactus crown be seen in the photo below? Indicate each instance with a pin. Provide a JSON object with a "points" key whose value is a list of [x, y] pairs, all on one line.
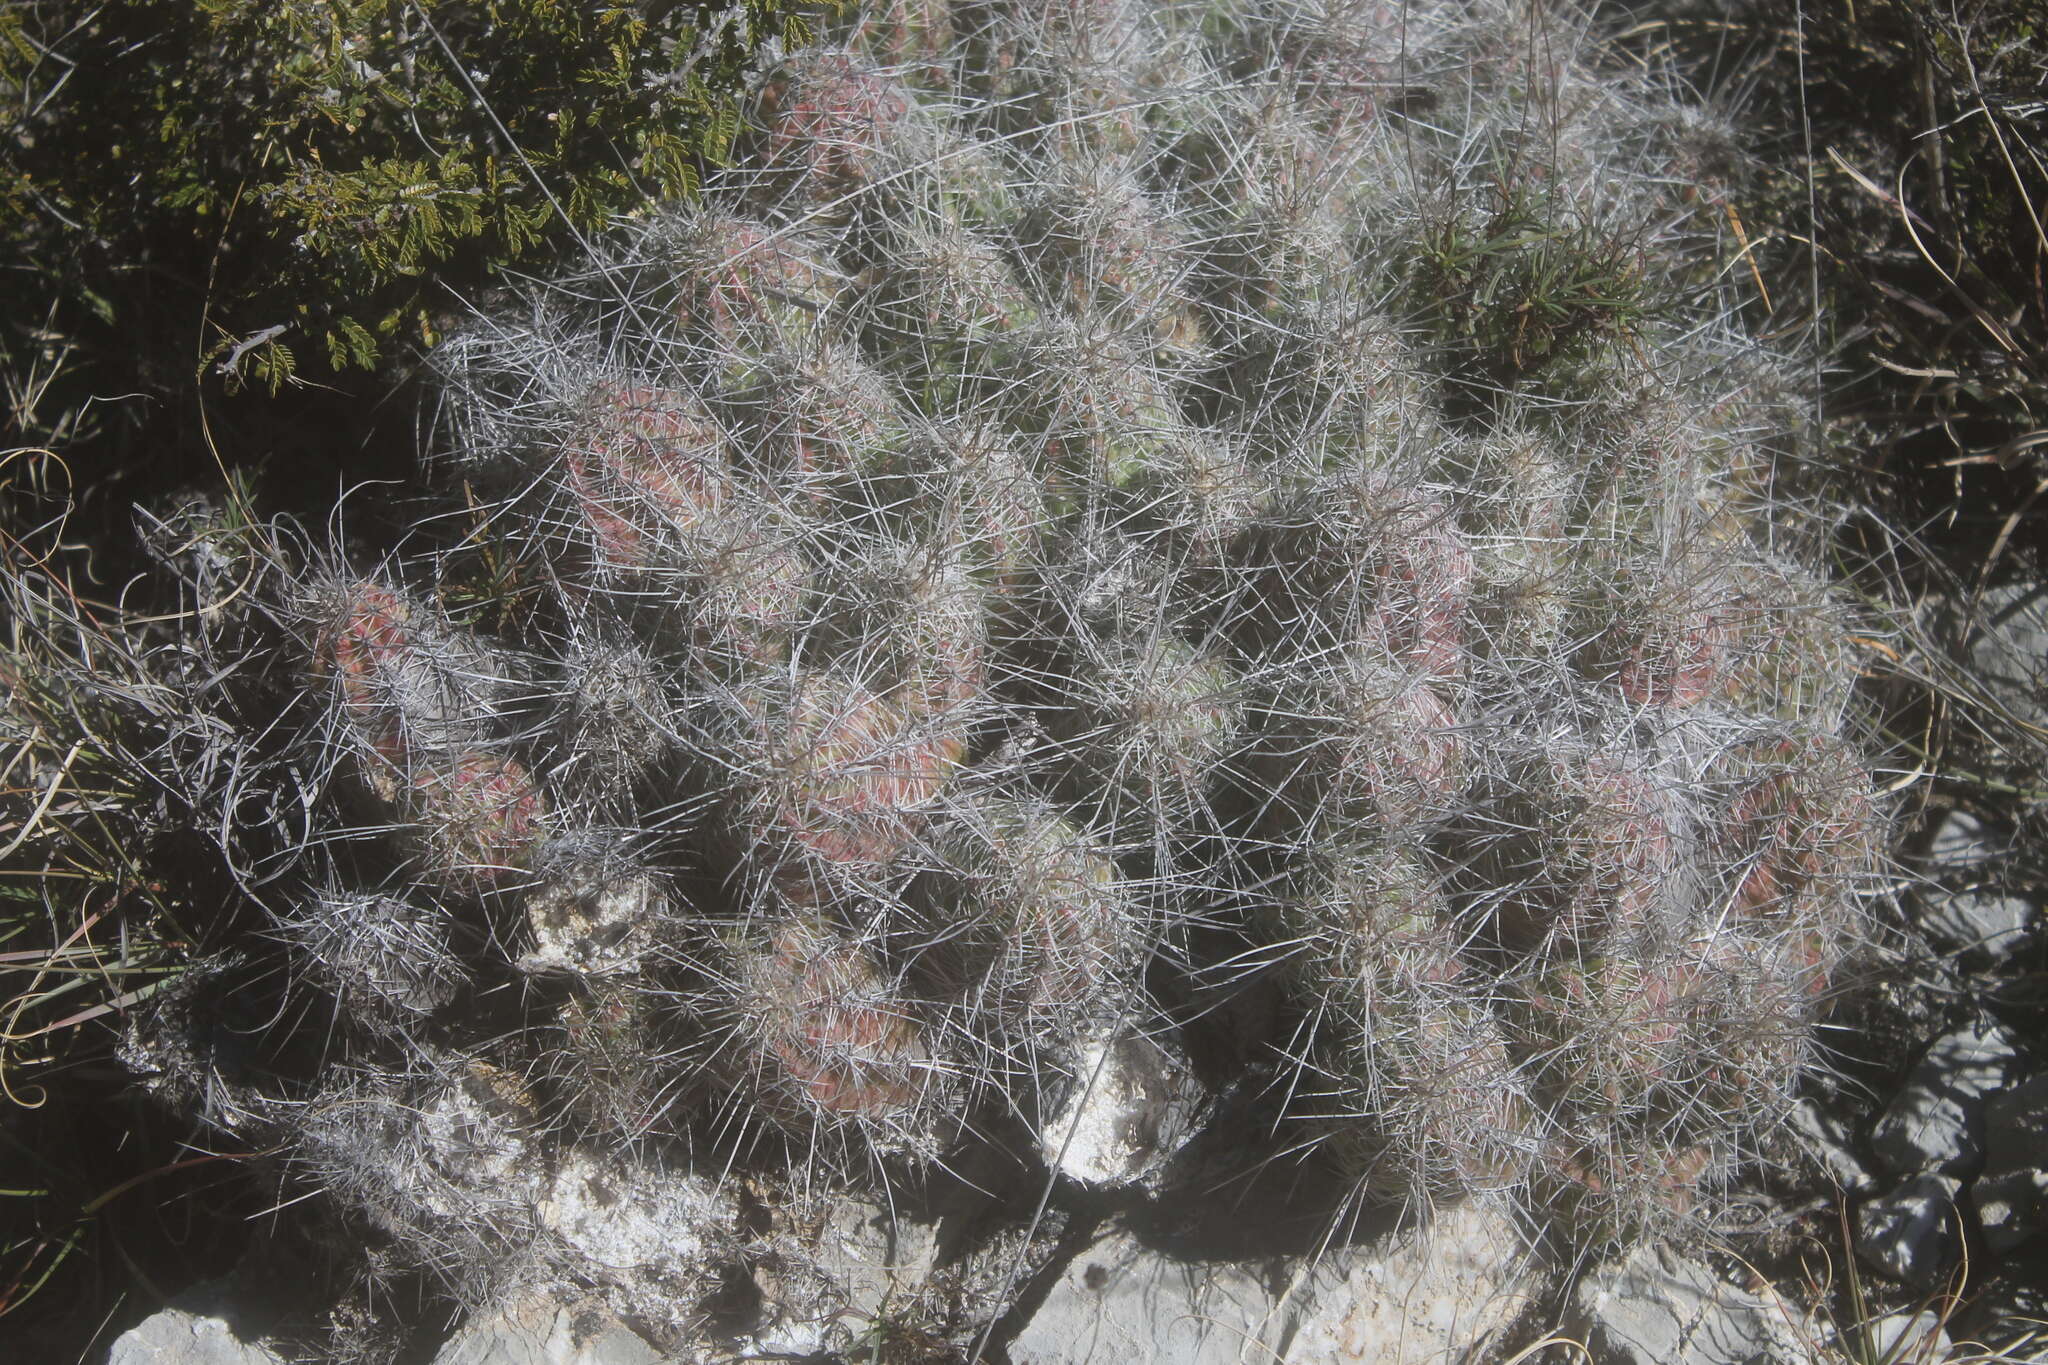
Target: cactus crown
{"points": [[1097, 496]]}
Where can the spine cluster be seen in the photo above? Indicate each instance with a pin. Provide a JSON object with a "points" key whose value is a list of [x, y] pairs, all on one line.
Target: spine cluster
{"points": [[1096, 497]]}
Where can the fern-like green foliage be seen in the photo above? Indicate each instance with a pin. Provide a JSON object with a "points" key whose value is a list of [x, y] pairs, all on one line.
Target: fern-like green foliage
{"points": [[1513, 284], [308, 173]]}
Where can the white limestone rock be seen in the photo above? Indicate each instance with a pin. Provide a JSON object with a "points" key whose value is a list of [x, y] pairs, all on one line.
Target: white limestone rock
{"points": [[1965, 910], [1831, 1144], [475, 1160], [2007, 646], [1913, 1233], [1899, 1337], [177, 1336], [1659, 1307], [874, 1256], [837, 1275], [590, 923], [1433, 1295], [628, 1222], [1131, 1104], [536, 1329], [2012, 1194], [1428, 1296], [1936, 1121], [1120, 1303]]}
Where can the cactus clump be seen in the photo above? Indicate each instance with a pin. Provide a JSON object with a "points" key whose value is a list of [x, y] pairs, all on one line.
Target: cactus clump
{"points": [[1101, 503]]}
